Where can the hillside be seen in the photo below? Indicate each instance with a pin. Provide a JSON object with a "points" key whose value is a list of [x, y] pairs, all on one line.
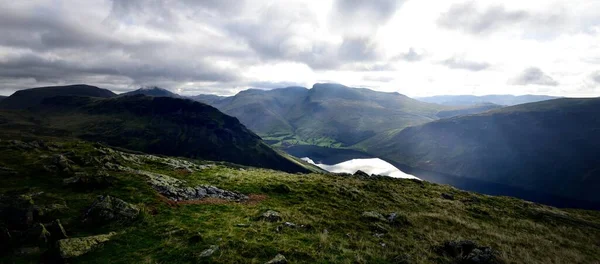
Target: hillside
{"points": [[78, 193], [2, 97], [160, 125], [23, 99], [330, 115], [549, 146], [152, 91], [207, 98], [457, 100]]}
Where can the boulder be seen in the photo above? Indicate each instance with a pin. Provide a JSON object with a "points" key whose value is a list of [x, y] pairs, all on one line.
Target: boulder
{"points": [[279, 259], [74, 247], [270, 216], [17, 211], [107, 209], [209, 251]]}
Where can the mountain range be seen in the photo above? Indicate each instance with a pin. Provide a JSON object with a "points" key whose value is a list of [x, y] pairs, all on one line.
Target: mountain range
{"points": [[506, 100], [331, 115]]}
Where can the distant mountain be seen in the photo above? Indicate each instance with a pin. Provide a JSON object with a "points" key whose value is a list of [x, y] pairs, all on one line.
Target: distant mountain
{"points": [[2, 97], [494, 99], [550, 146], [207, 98], [153, 91], [23, 99], [159, 125], [468, 110], [327, 114], [331, 115]]}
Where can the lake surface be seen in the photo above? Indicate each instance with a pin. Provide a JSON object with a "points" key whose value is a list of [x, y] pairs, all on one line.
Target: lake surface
{"points": [[370, 166]]}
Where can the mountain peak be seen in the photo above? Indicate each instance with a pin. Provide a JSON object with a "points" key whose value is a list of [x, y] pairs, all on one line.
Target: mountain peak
{"points": [[153, 91]]}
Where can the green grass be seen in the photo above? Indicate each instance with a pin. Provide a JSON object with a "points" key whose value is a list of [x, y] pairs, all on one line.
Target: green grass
{"points": [[331, 205]]}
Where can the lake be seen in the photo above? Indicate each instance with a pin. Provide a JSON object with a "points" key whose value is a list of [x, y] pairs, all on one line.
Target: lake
{"points": [[370, 166]]}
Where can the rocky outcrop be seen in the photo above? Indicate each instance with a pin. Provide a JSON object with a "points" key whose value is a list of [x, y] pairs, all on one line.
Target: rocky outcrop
{"points": [[279, 259], [176, 189], [107, 209], [372, 216], [74, 247], [468, 252]]}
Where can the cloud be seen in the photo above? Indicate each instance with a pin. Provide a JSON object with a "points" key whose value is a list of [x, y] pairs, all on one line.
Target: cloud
{"points": [[411, 55], [468, 17], [457, 62], [534, 75], [595, 77], [357, 18]]}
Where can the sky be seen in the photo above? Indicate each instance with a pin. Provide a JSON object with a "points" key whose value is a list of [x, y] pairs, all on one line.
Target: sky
{"points": [[414, 47]]}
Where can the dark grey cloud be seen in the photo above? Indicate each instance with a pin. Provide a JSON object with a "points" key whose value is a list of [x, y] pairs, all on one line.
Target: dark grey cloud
{"points": [[458, 62], [470, 18], [534, 75], [467, 17]]}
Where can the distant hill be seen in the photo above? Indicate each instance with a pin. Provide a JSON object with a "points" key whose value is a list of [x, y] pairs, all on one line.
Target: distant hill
{"points": [[494, 99], [2, 97], [550, 146], [207, 98], [469, 110], [23, 99], [153, 91], [331, 115], [159, 125]]}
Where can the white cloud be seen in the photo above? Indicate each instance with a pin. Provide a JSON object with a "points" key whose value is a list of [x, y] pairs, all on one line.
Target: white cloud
{"points": [[419, 48]]}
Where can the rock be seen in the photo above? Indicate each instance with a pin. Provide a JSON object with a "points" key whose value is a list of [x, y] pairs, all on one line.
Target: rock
{"points": [[84, 181], [176, 189], [396, 219], [110, 209], [270, 216], [56, 229], [290, 224], [279, 259], [466, 251], [63, 163], [372, 216], [74, 247], [361, 174], [242, 225], [43, 211], [209, 251], [448, 196]]}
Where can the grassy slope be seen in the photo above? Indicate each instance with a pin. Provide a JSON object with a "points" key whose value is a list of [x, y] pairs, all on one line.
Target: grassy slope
{"points": [[522, 231], [31, 97], [161, 125]]}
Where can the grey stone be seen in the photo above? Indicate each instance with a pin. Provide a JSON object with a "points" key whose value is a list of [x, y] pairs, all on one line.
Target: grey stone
{"points": [[110, 209], [270, 216], [209, 251], [279, 259], [361, 174], [74, 247]]}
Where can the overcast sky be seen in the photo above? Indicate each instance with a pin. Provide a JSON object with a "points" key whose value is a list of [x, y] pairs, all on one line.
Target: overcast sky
{"points": [[415, 47]]}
